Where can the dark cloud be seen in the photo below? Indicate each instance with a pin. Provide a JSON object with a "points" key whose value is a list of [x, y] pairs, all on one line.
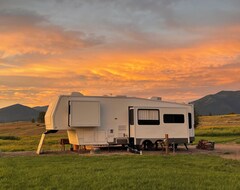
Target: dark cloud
{"points": [[35, 34], [19, 19], [137, 23]]}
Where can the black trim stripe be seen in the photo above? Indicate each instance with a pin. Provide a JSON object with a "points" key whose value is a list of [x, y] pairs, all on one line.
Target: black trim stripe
{"points": [[69, 113]]}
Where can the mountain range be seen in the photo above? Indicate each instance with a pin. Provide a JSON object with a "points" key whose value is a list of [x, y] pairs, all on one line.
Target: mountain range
{"points": [[223, 102], [18, 112], [41, 108]]}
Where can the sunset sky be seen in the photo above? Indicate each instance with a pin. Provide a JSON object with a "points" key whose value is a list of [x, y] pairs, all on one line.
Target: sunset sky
{"points": [[179, 50]]}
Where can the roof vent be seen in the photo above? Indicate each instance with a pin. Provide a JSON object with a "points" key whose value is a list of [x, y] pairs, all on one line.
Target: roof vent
{"points": [[156, 98], [76, 94]]}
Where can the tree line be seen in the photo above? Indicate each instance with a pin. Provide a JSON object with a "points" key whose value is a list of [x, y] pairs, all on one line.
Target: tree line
{"points": [[40, 118]]}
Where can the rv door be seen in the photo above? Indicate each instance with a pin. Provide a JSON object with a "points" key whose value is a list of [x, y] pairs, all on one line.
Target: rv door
{"points": [[131, 124]]}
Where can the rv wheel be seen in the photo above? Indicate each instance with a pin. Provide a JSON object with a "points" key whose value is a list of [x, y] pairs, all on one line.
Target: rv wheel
{"points": [[147, 145]]}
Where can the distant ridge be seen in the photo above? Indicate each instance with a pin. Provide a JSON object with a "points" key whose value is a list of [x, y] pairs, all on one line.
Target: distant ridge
{"points": [[18, 112], [41, 108], [223, 102]]}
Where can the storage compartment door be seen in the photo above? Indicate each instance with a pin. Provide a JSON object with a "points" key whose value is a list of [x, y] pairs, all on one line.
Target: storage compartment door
{"points": [[84, 114]]}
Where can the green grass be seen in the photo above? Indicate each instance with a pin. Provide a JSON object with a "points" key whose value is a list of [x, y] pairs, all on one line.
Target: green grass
{"points": [[30, 143], [221, 129], [219, 135], [217, 131], [218, 139], [119, 172], [25, 136], [72, 171]]}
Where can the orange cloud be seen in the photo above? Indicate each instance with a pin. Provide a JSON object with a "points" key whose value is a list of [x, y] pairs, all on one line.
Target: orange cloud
{"points": [[39, 61]]}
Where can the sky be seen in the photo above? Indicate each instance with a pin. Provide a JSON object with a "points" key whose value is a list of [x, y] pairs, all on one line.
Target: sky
{"points": [[180, 50]]}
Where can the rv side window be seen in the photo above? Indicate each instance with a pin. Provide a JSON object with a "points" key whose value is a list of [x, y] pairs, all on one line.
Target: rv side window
{"points": [[173, 118], [131, 117], [148, 117], [190, 120]]}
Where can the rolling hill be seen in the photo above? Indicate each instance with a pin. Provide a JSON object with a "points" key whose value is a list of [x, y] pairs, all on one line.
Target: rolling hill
{"points": [[41, 108], [223, 102], [18, 112]]}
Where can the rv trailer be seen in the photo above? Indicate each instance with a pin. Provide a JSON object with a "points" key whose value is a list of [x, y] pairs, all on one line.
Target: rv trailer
{"points": [[120, 120]]}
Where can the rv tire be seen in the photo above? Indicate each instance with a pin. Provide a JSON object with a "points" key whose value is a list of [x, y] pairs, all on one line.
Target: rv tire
{"points": [[147, 145]]}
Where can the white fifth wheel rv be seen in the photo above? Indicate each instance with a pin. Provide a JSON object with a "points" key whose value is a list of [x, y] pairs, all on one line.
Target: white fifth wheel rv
{"points": [[112, 120]]}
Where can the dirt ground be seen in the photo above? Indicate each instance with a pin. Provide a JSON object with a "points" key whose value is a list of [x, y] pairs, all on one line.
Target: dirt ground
{"points": [[227, 151]]}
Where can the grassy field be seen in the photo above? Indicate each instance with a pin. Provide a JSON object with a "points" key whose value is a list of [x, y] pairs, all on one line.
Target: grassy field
{"points": [[25, 136], [73, 171], [119, 172], [221, 129]]}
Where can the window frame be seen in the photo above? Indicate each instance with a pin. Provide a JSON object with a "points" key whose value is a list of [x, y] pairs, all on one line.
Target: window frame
{"points": [[173, 120], [148, 122], [190, 120]]}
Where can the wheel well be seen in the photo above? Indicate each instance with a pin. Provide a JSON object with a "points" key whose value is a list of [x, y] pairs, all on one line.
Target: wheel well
{"points": [[146, 140]]}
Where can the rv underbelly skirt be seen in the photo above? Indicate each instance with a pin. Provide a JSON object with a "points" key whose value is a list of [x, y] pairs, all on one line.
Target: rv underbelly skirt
{"points": [[87, 137], [139, 141]]}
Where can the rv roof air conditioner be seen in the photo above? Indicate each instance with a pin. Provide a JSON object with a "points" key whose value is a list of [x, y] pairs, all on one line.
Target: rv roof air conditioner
{"points": [[156, 98]]}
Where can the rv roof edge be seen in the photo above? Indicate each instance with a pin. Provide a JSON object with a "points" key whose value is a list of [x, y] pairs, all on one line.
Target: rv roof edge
{"points": [[121, 96], [76, 94], [156, 98]]}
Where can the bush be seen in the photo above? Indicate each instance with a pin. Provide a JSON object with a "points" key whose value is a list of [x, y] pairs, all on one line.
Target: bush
{"points": [[196, 119], [9, 138], [41, 118]]}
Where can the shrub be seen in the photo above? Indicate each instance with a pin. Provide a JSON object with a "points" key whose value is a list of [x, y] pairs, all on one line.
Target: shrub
{"points": [[9, 138], [41, 117]]}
